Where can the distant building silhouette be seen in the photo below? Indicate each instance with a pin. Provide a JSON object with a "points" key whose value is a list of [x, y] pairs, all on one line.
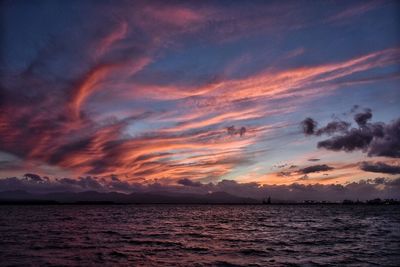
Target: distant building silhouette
{"points": [[267, 200]]}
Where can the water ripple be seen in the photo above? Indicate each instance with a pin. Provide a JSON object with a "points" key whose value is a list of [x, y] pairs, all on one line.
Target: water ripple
{"points": [[169, 235]]}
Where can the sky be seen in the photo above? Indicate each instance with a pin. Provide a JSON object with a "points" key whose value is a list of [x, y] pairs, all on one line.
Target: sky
{"points": [[184, 94]]}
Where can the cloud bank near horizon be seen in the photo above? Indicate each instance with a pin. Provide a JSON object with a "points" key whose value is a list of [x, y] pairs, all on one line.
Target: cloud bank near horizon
{"points": [[363, 190]]}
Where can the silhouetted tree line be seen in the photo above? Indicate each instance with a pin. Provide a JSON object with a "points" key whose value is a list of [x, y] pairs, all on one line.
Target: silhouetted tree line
{"points": [[376, 201]]}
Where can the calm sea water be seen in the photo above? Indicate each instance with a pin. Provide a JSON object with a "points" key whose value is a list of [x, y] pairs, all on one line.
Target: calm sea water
{"points": [[168, 235]]}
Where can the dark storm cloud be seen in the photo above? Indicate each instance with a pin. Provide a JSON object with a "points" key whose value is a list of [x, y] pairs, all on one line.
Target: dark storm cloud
{"points": [[316, 168], [389, 144], [333, 127], [363, 117], [308, 125], [350, 141], [376, 139], [380, 167]]}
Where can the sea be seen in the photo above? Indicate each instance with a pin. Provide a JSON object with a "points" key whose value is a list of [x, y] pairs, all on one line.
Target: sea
{"points": [[200, 235]]}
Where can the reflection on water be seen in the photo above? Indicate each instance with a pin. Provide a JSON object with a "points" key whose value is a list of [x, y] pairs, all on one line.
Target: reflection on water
{"points": [[167, 235]]}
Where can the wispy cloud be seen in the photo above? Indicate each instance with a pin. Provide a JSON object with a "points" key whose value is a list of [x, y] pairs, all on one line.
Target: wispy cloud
{"points": [[105, 93]]}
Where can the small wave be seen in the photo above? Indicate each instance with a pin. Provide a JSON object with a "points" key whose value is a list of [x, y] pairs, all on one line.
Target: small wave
{"points": [[197, 249], [118, 254], [226, 264], [195, 235], [109, 232], [251, 251], [154, 242]]}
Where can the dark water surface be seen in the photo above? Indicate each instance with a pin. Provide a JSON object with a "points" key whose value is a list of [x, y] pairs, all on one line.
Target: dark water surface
{"points": [[179, 235]]}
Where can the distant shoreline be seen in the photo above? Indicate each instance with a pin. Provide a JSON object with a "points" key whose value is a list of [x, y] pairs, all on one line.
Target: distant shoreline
{"points": [[110, 203], [18, 197]]}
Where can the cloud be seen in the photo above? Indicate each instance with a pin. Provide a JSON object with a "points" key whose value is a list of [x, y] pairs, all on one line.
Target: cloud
{"points": [[375, 139], [353, 11], [380, 167], [316, 168], [314, 159], [387, 144], [86, 106], [354, 108], [364, 189], [308, 125], [83, 183], [333, 127], [363, 117], [33, 177], [112, 38], [379, 180], [86, 86], [188, 182], [233, 131], [355, 139], [284, 174], [303, 178]]}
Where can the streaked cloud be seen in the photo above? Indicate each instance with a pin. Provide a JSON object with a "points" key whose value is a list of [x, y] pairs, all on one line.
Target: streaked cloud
{"points": [[185, 94]]}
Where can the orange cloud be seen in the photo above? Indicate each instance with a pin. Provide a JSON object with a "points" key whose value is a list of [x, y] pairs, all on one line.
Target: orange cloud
{"points": [[87, 86], [115, 36], [268, 84]]}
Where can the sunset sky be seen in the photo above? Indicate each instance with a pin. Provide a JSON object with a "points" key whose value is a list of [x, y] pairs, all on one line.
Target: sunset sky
{"points": [[188, 92]]}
